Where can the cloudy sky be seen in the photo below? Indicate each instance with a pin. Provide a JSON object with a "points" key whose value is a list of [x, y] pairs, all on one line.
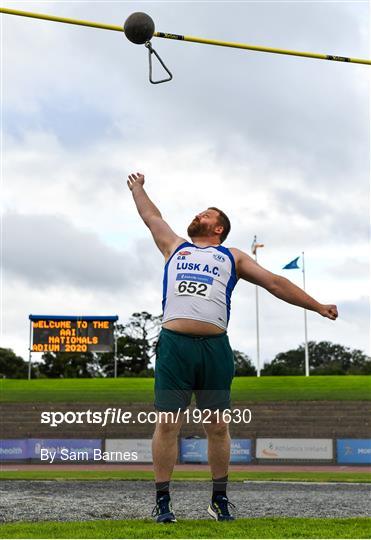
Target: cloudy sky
{"points": [[280, 143]]}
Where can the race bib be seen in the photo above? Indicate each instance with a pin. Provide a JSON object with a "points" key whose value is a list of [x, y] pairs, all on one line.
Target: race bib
{"points": [[196, 285]]}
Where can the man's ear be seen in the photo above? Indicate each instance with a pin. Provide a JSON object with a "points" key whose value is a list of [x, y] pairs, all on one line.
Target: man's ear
{"points": [[219, 229]]}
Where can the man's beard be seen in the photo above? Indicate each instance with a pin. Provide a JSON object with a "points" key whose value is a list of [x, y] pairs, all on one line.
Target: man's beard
{"points": [[196, 228]]}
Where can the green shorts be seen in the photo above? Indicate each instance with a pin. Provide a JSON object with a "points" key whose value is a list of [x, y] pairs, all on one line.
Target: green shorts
{"points": [[185, 364]]}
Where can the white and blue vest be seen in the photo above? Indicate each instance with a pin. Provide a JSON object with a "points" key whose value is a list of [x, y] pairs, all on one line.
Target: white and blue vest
{"points": [[198, 284]]}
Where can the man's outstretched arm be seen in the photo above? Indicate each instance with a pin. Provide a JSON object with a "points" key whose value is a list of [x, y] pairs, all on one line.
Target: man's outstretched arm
{"points": [[279, 286], [165, 238]]}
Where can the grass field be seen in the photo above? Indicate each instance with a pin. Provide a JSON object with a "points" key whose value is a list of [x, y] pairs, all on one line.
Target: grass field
{"points": [[350, 387], [241, 528], [234, 476]]}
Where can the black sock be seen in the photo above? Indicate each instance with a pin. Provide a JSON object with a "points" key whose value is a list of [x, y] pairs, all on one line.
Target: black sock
{"points": [[220, 486], [162, 488]]}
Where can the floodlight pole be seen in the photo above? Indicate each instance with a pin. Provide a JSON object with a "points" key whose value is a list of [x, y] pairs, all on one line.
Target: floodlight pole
{"points": [[254, 249], [257, 326], [30, 352], [115, 351], [305, 327]]}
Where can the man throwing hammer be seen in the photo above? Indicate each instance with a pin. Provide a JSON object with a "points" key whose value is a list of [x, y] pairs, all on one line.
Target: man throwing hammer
{"points": [[193, 351]]}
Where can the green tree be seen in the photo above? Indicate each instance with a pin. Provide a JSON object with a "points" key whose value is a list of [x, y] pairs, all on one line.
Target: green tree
{"points": [[136, 343], [132, 358], [69, 365], [325, 358], [328, 358], [243, 365], [287, 363], [13, 366], [145, 327]]}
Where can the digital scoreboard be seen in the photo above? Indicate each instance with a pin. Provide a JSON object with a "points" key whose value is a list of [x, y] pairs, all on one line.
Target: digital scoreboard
{"points": [[72, 333]]}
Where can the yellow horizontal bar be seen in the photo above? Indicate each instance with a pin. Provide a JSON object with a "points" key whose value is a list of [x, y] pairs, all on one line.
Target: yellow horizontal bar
{"points": [[189, 38], [61, 19], [262, 49]]}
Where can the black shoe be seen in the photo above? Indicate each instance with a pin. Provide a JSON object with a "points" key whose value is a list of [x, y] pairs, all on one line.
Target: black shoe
{"points": [[218, 509], [163, 510]]}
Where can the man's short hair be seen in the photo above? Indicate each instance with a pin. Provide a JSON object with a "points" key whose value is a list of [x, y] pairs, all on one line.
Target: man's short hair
{"points": [[224, 221]]}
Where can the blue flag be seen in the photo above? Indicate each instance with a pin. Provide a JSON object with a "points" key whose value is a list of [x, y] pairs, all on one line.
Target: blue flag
{"points": [[292, 264]]}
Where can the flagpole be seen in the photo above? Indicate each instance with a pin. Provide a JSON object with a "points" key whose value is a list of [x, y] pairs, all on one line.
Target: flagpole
{"points": [[305, 327], [254, 248], [257, 325]]}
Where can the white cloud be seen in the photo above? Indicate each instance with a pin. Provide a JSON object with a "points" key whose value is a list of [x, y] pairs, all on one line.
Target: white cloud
{"points": [[280, 143]]}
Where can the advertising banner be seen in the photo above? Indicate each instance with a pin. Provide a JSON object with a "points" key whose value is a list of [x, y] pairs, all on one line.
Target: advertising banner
{"points": [[195, 451], [77, 450], [128, 450], [353, 451], [12, 449], [241, 451], [297, 449]]}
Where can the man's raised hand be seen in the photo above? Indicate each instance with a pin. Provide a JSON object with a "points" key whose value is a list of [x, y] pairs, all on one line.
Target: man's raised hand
{"points": [[135, 180]]}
